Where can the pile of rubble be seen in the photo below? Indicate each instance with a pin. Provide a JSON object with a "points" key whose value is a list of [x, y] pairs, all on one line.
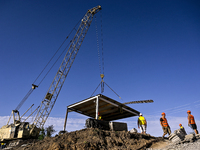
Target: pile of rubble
{"points": [[195, 145], [180, 140], [179, 136]]}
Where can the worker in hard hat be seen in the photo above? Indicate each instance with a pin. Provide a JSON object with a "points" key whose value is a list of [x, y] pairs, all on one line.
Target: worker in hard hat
{"points": [[191, 122], [165, 125], [182, 129], [142, 124]]}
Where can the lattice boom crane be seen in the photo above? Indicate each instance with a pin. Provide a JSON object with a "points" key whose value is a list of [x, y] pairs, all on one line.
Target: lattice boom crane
{"points": [[24, 129]]}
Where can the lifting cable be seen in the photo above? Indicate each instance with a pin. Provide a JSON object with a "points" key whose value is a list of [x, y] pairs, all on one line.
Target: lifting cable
{"points": [[96, 89], [102, 42], [35, 86], [98, 44], [101, 61], [108, 87], [113, 91]]}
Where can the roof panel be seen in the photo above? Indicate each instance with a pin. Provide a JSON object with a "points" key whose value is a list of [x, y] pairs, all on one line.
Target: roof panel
{"points": [[109, 109]]}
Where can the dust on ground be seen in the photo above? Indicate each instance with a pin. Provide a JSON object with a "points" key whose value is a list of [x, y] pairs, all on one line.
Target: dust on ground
{"points": [[95, 139]]}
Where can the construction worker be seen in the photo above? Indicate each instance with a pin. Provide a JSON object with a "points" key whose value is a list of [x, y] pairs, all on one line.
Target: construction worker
{"points": [[3, 145], [182, 128], [142, 124], [165, 125], [191, 122], [99, 116]]}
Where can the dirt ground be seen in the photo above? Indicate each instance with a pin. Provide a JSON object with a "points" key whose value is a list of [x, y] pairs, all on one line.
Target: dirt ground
{"points": [[159, 145], [96, 139]]}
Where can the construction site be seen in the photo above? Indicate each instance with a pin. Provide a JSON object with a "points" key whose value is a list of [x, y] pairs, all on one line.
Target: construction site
{"points": [[103, 128]]}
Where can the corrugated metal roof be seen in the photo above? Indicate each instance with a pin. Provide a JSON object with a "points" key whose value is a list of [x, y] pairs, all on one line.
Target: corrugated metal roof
{"points": [[109, 109]]}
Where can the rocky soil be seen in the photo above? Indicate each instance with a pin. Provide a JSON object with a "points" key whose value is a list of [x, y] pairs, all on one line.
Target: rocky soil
{"points": [[97, 139], [93, 139]]}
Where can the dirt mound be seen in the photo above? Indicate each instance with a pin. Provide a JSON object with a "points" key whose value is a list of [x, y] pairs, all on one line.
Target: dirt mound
{"points": [[92, 139]]}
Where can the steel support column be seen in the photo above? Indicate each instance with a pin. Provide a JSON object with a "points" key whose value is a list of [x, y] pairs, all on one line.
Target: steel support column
{"points": [[97, 107], [65, 119]]}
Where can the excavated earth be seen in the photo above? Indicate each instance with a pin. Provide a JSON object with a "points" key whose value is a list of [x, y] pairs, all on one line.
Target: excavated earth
{"points": [[94, 139]]}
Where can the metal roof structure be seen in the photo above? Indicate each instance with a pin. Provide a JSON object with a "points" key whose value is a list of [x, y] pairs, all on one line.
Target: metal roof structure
{"points": [[107, 108]]}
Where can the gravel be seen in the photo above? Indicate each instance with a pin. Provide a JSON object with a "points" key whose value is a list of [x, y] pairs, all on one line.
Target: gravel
{"points": [[185, 146]]}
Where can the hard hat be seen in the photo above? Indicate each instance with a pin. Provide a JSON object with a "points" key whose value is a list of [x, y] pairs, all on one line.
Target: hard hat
{"points": [[188, 111], [180, 124], [163, 113], [140, 114]]}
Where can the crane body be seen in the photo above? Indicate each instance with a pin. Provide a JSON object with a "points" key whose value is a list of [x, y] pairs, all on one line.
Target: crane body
{"points": [[21, 129]]}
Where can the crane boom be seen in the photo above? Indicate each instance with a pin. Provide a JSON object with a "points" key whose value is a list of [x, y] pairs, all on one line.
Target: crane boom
{"points": [[58, 81], [141, 101]]}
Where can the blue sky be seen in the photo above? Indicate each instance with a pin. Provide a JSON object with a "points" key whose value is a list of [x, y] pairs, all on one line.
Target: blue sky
{"points": [[151, 51]]}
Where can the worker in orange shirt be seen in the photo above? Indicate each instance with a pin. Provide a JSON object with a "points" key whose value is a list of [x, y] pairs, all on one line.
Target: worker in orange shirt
{"points": [[191, 122], [165, 125]]}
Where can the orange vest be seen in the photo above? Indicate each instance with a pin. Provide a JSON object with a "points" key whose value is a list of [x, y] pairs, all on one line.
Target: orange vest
{"points": [[191, 119], [164, 122]]}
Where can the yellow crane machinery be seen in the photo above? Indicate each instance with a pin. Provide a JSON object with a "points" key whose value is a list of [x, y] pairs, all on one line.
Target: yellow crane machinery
{"points": [[20, 129]]}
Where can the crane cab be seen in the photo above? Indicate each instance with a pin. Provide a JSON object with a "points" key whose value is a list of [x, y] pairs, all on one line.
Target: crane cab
{"points": [[9, 132]]}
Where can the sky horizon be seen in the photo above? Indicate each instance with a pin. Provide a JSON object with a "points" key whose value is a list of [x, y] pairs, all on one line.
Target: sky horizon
{"points": [[151, 51]]}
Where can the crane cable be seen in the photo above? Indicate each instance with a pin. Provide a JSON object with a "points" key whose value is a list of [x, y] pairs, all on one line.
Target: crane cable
{"points": [[98, 44], [34, 86], [101, 61], [55, 54], [102, 75]]}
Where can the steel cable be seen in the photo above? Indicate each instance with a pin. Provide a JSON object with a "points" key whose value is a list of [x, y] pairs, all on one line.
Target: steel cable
{"points": [[98, 45], [55, 54], [32, 89], [102, 42], [113, 91]]}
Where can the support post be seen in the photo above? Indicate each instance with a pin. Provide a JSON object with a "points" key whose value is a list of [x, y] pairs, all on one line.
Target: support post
{"points": [[65, 119], [97, 107], [13, 117], [9, 118], [26, 111]]}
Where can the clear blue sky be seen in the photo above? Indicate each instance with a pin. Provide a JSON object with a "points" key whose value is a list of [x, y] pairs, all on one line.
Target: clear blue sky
{"points": [[151, 51]]}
